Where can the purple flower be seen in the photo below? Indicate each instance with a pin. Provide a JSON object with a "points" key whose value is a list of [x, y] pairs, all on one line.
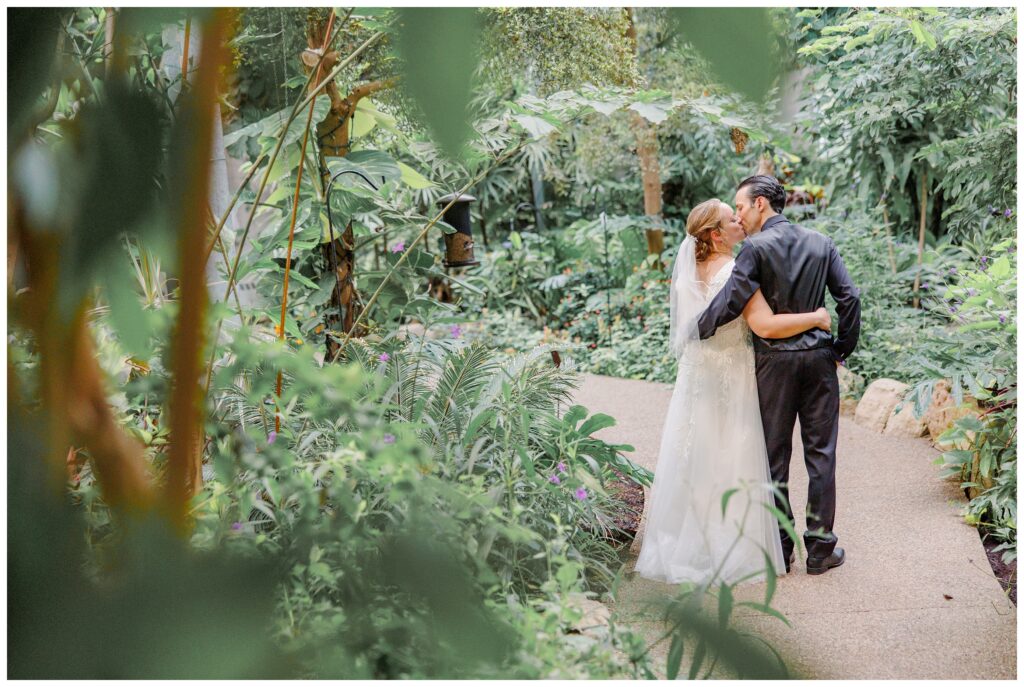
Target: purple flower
{"points": [[272, 437], [384, 357], [581, 494], [506, 244], [1011, 249], [952, 308], [952, 270], [398, 247], [1002, 319], [1008, 213], [456, 331], [554, 479], [389, 438], [561, 467], [972, 293], [926, 286], [236, 526]]}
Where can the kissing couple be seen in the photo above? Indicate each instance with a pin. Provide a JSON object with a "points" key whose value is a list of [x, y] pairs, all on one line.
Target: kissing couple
{"points": [[720, 490]]}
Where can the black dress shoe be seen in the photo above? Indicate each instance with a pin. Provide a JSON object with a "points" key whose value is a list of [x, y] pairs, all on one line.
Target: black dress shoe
{"points": [[817, 566], [789, 561]]}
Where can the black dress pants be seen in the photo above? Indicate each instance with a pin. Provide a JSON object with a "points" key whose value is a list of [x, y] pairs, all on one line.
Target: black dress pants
{"points": [[804, 385]]}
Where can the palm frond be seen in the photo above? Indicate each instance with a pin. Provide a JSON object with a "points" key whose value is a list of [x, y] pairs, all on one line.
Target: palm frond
{"points": [[464, 374], [409, 375], [537, 383]]}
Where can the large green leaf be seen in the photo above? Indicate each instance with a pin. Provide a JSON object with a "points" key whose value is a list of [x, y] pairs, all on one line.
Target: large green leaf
{"points": [[132, 324], [675, 656], [271, 125], [738, 41], [439, 47], [595, 423], [653, 112], [375, 165], [412, 178], [537, 127], [366, 110]]}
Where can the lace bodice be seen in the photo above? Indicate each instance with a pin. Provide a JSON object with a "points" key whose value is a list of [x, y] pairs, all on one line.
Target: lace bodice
{"points": [[731, 344]]}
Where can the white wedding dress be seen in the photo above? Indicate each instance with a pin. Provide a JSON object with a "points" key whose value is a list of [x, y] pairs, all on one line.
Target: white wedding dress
{"points": [[712, 443]]}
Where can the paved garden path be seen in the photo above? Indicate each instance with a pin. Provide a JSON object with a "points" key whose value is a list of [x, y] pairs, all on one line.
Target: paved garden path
{"points": [[916, 598]]}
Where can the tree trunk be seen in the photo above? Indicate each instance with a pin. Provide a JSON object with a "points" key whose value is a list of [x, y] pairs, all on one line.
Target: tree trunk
{"points": [[650, 174], [888, 237], [766, 166], [186, 407], [108, 40], [938, 206], [483, 229], [537, 187], [333, 140], [176, 64], [346, 304], [920, 241], [650, 167]]}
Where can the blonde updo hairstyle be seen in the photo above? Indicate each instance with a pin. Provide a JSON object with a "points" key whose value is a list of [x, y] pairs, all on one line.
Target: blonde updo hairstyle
{"points": [[702, 220]]}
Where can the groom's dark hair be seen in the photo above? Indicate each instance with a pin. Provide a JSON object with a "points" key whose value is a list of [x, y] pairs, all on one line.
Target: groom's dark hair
{"points": [[769, 187]]}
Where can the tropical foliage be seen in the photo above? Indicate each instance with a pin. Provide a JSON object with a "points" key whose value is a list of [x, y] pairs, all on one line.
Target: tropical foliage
{"points": [[274, 432]]}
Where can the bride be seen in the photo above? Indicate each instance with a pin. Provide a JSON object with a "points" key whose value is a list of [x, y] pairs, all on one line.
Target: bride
{"points": [[713, 441]]}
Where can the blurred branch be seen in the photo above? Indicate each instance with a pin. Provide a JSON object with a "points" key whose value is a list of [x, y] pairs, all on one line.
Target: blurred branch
{"points": [[184, 473], [71, 387]]}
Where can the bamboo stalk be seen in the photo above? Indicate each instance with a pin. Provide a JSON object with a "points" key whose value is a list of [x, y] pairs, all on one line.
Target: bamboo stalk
{"points": [[920, 240]]}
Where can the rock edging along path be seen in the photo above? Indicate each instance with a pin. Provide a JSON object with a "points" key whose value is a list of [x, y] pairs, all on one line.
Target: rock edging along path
{"points": [[916, 598]]}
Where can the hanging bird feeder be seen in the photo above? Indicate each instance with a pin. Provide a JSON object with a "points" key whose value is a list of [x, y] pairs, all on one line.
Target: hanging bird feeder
{"points": [[458, 246]]}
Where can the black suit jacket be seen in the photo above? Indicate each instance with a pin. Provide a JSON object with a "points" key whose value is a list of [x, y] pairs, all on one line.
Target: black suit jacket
{"points": [[792, 266]]}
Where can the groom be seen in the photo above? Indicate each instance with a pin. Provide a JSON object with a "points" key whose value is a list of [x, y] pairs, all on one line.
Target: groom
{"points": [[796, 377]]}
